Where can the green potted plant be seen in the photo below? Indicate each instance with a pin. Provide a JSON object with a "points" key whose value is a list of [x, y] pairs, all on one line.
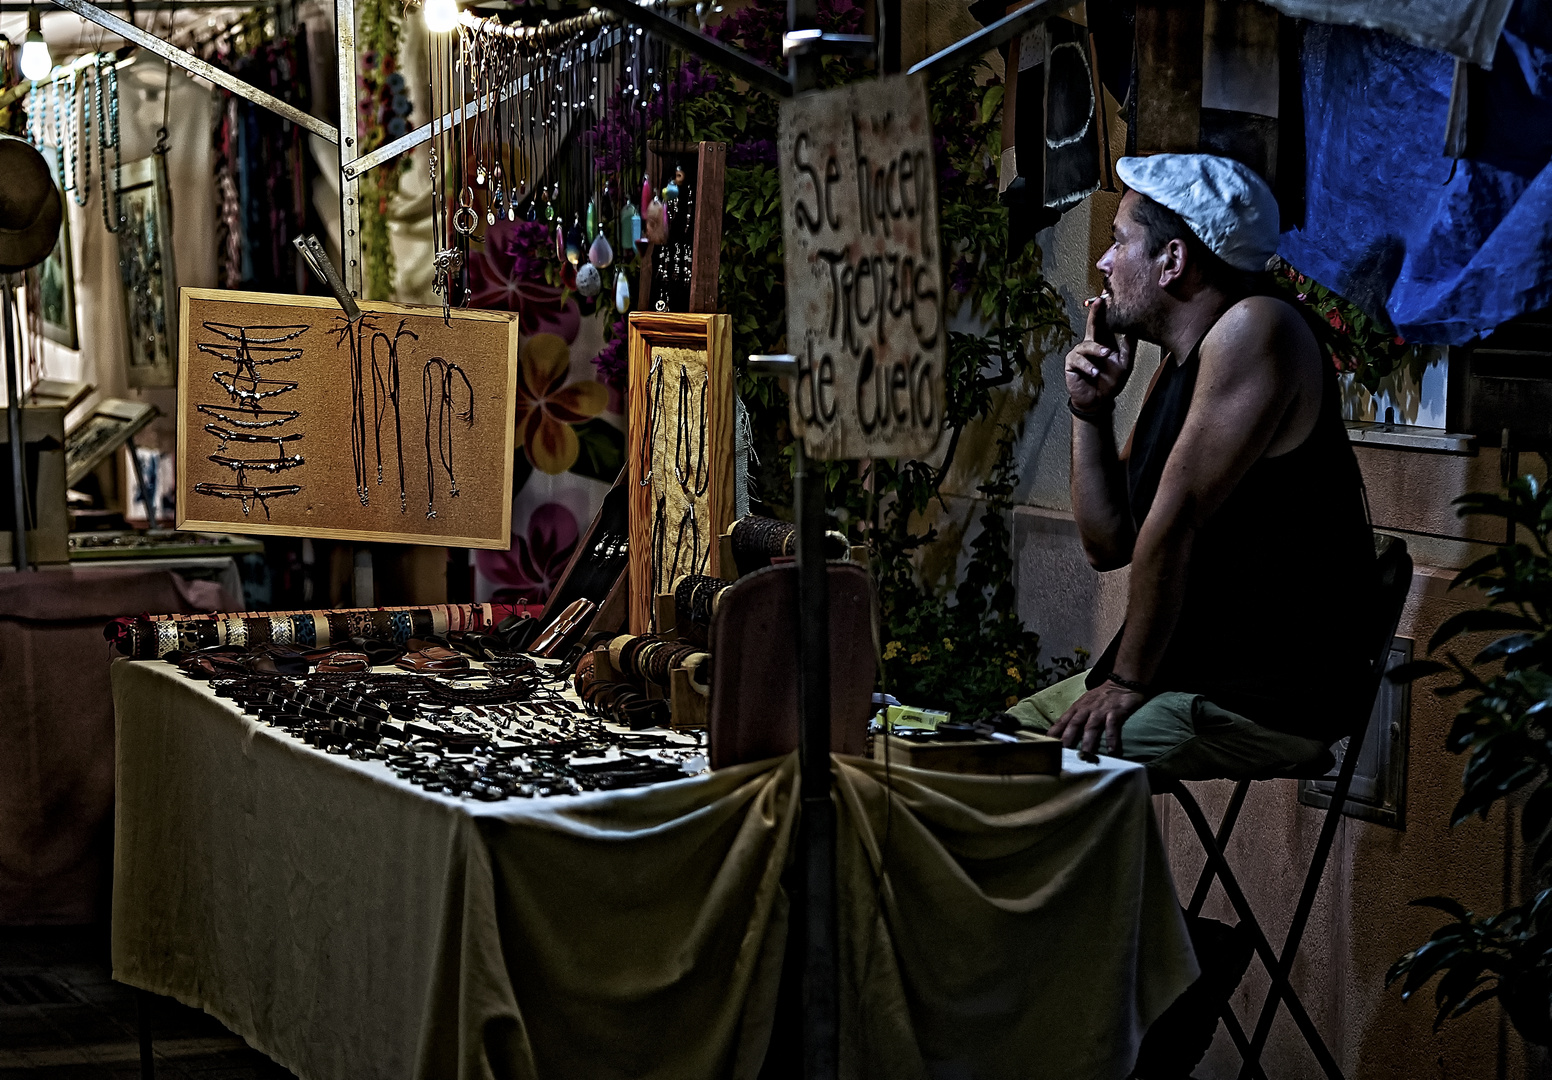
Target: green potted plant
{"points": [[1503, 729]]}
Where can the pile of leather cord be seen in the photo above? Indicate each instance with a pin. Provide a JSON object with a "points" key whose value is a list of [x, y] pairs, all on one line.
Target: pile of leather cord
{"points": [[489, 735]]}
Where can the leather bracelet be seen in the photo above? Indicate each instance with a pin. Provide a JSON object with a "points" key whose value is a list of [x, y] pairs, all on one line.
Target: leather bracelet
{"points": [[1092, 416], [1129, 684]]}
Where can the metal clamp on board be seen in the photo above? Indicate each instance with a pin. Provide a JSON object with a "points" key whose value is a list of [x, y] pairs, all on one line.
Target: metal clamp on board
{"points": [[319, 264], [805, 41], [776, 365]]}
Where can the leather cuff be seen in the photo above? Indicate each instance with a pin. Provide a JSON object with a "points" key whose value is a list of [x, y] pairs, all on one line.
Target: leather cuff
{"points": [[1092, 416]]}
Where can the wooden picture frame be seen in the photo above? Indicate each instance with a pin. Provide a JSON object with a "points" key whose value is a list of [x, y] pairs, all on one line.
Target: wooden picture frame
{"points": [[669, 355], [148, 274], [706, 246], [56, 283], [110, 424], [399, 428]]}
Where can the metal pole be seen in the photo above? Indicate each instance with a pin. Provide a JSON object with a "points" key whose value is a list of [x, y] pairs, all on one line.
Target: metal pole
{"points": [[13, 420], [887, 13], [193, 64], [816, 826], [349, 147], [971, 48]]}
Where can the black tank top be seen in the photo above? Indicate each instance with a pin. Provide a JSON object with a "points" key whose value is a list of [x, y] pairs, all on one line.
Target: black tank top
{"points": [[1280, 592]]}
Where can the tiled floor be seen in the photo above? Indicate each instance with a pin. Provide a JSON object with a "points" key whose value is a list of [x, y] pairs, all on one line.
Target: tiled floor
{"points": [[63, 1018]]}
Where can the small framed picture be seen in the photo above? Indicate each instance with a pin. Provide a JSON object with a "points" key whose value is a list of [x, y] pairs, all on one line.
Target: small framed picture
{"points": [[56, 285], [680, 452], [147, 272]]}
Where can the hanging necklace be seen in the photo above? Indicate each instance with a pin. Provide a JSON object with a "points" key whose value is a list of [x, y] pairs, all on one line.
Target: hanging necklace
{"points": [[108, 139], [438, 390], [83, 191]]}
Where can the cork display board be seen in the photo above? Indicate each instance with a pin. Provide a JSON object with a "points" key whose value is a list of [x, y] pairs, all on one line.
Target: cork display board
{"points": [[682, 423], [294, 422]]}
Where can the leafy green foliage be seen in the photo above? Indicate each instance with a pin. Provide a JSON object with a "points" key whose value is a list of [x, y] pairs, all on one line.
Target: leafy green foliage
{"points": [[963, 647], [1502, 728], [970, 656], [1358, 344]]}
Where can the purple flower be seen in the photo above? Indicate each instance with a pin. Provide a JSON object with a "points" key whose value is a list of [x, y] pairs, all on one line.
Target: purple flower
{"points": [[962, 276], [612, 359], [753, 152]]}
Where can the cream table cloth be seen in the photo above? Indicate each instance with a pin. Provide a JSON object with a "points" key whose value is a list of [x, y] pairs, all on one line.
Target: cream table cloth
{"points": [[351, 925]]}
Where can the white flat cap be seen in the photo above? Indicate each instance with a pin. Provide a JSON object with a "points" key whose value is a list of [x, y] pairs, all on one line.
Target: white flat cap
{"points": [[1226, 204]]}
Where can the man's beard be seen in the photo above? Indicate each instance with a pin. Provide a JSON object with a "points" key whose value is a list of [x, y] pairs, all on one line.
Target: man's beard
{"points": [[1127, 320]]}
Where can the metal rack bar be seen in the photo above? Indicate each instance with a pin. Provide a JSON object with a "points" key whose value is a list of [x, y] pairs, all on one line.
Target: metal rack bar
{"points": [[388, 151], [708, 49], [969, 49], [193, 64]]}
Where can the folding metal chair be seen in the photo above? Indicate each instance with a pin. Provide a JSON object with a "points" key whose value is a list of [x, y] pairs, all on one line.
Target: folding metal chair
{"points": [[1395, 572]]}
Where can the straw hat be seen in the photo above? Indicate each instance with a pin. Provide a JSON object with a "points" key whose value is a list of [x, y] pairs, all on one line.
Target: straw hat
{"points": [[30, 207]]}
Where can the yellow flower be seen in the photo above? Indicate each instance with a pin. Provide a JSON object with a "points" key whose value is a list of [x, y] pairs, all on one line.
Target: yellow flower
{"points": [[948, 644], [1010, 700], [919, 655], [1013, 673], [547, 407], [892, 650]]}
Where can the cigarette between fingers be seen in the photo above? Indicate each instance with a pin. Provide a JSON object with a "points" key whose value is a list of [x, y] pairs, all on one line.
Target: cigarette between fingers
{"points": [[1091, 301]]}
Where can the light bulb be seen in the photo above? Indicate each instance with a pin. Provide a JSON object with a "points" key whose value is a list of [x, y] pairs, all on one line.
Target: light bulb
{"points": [[36, 62], [440, 15]]}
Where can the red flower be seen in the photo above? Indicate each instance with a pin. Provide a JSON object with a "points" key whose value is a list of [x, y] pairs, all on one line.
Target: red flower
{"points": [[1335, 319]]}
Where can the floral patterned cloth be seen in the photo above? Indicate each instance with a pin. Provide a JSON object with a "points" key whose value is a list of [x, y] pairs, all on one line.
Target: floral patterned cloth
{"points": [[570, 422]]}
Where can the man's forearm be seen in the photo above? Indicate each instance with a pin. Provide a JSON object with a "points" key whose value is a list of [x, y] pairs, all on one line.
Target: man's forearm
{"points": [[1099, 500], [1157, 588]]}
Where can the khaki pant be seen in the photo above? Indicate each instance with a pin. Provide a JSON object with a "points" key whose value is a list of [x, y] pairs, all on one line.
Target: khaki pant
{"points": [[1182, 736]]}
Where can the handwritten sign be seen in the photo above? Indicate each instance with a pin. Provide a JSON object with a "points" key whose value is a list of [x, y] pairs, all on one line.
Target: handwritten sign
{"points": [[865, 316]]}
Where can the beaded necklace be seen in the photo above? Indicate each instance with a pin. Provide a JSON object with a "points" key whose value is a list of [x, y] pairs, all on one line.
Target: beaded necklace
{"points": [[108, 139], [83, 190]]}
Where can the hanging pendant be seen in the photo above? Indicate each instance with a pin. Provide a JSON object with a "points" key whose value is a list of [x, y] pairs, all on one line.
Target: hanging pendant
{"points": [[560, 243], [630, 228], [621, 292], [655, 222], [592, 216], [479, 175], [600, 254], [646, 193], [589, 281], [574, 242]]}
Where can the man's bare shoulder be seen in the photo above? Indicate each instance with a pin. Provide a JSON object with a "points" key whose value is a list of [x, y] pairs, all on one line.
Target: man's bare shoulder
{"points": [[1264, 329]]}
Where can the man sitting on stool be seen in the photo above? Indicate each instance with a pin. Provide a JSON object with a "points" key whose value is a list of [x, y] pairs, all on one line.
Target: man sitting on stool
{"points": [[1238, 504], [1237, 500]]}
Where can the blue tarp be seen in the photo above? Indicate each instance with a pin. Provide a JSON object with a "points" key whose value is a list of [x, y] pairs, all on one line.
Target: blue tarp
{"points": [[1447, 258]]}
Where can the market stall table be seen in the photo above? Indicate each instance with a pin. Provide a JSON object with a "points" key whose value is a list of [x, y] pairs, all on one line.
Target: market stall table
{"points": [[350, 924]]}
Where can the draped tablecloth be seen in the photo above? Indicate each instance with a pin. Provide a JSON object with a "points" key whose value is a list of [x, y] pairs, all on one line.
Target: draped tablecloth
{"points": [[352, 925], [56, 728]]}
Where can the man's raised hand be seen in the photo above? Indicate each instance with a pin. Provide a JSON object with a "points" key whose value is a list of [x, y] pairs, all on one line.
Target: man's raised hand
{"points": [[1099, 365]]}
